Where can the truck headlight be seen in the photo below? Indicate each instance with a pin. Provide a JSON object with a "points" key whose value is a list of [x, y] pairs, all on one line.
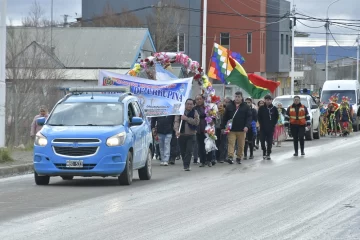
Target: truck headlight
{"points": [[116, 140], [40, 140]]}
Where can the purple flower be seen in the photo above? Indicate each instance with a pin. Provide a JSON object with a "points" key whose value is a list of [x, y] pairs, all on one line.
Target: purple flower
{"points": [[208, 119]]}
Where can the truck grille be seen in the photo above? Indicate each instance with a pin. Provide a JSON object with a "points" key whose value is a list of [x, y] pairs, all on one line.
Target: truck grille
{"points": [[85, 166], [75, 152]]}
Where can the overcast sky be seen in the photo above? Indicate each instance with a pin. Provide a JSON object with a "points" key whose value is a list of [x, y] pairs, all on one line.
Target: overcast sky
{"points": [[344, 9]]}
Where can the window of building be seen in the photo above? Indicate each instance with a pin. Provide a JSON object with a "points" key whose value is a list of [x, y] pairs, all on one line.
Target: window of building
{"points": [[249, 42], [181, 42], [291, 45], [282, 44], [287, 44], [225, 40]]}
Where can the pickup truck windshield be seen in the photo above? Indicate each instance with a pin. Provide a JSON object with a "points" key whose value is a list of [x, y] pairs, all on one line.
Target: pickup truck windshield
{"points": [[286, 102], [87, 114]]}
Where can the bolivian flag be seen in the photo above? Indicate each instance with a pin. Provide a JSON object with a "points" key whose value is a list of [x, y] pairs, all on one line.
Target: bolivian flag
{"points": [[256, 86]]}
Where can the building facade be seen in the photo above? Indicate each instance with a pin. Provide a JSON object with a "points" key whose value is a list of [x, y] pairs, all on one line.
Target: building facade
{"points": [[259, 30], [279, 44], [189, 29]]}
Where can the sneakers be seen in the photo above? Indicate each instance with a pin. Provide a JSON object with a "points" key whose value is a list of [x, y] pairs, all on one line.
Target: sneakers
{"points": [[238, 160], [296, 154], [268, 157], [202, 165], [209, 164], [251, 157], [245, 158], [164, 164], [187, 169], [302, 153], [230, 160], [213, 162]]}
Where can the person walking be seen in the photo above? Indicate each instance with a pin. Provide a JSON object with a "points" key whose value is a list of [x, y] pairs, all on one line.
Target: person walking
{"points": [[268, 116], [280, 133], [259, 104], [251, 134], [187, 133], [164, 128], [205, 158], [236, 123], [298, 117], [35, 128]]}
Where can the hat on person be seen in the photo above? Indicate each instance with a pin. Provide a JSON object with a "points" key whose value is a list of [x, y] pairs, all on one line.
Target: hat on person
{"points": [[249, 99]]}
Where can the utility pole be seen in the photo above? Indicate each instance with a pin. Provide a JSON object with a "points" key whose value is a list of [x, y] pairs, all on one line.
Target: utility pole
{"points": [[357, 57], [203, 57], [327, 41], [293, 51], [2, 71], [51, 24]]}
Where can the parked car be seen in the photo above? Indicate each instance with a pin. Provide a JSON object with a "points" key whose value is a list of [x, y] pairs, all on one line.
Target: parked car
{"points": [[93, 133], [314, 112]]}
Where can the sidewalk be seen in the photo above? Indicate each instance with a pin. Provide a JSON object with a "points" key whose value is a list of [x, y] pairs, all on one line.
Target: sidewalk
{"points": [[22, 164]]}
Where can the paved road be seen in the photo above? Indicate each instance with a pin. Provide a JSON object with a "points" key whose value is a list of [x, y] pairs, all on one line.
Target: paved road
{"points": [[312, 197]]}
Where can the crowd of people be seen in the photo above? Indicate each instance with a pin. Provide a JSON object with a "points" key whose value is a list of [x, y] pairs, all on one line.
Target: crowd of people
{"points": [[240, 126]]}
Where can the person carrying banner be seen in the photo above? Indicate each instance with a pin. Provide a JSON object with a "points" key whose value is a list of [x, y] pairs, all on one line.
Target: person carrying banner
{"points": [[185, 127]]}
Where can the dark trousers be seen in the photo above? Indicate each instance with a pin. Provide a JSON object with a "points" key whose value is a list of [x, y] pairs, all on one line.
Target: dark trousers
{"points": [[174, 145], [204, 157], [196, 152], [298, 134], [258, 136], [266, 136], [249, 143], [186, 143]]}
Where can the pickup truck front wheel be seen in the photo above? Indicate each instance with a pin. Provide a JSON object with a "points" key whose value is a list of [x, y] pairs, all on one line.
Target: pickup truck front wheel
{"points": [[317, 133], [309, 135]]}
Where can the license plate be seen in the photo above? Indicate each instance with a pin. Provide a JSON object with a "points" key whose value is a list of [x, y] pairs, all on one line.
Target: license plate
{"points": [[74, 163]]}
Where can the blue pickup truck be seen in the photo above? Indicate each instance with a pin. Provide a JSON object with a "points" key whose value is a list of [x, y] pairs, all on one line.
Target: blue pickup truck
{"points": [[94, 131]]}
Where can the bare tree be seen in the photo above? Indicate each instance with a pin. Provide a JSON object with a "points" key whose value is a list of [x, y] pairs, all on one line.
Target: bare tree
{"points": [[110, 18], [32, 72], [165, 24]]}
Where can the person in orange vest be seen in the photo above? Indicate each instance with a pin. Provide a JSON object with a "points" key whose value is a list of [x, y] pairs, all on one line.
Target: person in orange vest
{"points": [[298, 117]]}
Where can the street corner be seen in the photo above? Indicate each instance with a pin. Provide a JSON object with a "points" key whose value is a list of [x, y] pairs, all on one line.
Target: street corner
{"points": [[11, 170]]}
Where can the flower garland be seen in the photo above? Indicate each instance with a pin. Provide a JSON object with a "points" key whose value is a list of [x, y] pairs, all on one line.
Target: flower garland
{"points": [[193, 68]]}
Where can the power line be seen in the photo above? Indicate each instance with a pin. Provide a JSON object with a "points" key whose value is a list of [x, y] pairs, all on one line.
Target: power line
{"points": [[337, 42]]}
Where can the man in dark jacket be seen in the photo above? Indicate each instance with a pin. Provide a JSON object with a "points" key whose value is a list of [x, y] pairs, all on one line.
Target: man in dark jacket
{"points": [[164, 128], [251, 134], [298, 117], [239, 114], [268, 116]]}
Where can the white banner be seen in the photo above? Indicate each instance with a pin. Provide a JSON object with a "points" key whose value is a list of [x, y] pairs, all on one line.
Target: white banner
{"points": [[158, 98]]}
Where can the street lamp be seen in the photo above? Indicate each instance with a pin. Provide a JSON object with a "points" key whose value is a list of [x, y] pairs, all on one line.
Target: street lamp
{"points": [[327, 41]]}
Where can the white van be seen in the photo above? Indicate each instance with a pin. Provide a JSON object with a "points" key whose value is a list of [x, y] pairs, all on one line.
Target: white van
{"points": [[347, 88]]}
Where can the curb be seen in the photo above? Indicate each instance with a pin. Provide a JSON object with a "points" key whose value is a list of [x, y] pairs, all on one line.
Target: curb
{"points": [[16, 169]]}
